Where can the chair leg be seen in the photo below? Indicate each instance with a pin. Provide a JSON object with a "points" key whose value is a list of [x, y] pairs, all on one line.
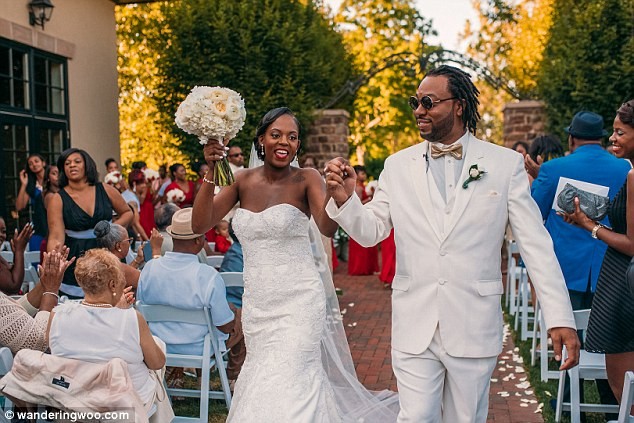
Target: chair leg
{"points": [[575, 396], [560, 395], [536, 330]]}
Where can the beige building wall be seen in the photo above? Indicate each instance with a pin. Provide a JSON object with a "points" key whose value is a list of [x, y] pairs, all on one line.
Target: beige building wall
{"points": [[84, 32]]}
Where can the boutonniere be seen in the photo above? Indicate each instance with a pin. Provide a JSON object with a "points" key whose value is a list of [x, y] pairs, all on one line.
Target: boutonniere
{"points": [[475, 173]]}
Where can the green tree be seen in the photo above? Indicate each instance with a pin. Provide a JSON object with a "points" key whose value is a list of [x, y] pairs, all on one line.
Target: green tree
{"points": [[274, 52], [142, 134], [510, 42], [589, 60], [379, 33]]}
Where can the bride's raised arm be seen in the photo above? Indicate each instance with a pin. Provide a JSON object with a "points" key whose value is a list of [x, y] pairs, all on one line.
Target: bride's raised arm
{"points": [[316, 192], [209, 208]]}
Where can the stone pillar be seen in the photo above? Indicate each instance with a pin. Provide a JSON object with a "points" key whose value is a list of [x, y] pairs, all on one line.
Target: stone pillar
{"points": [[328, 136], [523, 121]]}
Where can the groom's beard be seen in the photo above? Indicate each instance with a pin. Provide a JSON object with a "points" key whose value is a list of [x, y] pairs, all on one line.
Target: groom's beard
{"points": [[440, 129]]}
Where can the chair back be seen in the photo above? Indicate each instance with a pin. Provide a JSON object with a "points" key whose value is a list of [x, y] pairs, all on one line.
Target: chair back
{"points": [[215, 261], [31, 257], [232, 279], [7, 255]]}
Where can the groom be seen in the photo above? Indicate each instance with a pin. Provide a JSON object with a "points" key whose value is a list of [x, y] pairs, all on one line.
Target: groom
{"points": [[449, 199]]}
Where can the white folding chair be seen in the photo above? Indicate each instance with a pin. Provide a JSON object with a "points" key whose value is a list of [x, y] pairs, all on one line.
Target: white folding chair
{"points": [[7, 255], [544, 352], [627, 399], [31, 257], [211, 356], [215, 261], [233, 279], [591, 366], [212, 246], [6, 362]]}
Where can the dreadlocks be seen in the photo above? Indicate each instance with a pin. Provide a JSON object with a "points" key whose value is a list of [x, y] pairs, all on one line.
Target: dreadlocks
{"points": [[462, 88]]}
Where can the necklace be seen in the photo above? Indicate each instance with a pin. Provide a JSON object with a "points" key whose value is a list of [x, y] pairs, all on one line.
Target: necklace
{"points": [[103, 305]]}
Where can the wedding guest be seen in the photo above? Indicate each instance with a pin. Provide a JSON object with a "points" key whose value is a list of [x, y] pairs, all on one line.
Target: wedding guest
{"points": [[579, 255], [201, 169], [233, 261], [12, 275], [179, 178], [163, 218], [23, 322], [111, 165], [80, 204], [4, 244], [235, 158], [114, 238], [610, 329], [361, 260], [31, 186], [139, 186], [164, 181], [222, 239], [542, 149], [51, 183], [521, 147], [164, 279], [103, 326]]}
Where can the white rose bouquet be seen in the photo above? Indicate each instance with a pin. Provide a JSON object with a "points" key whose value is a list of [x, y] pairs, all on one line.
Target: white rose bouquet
{"points": [[151, 175], [175, 196], [213, 113], [113, 178]]}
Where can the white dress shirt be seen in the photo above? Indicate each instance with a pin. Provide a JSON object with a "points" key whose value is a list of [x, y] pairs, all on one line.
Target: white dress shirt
{"points": [[446, 169]]}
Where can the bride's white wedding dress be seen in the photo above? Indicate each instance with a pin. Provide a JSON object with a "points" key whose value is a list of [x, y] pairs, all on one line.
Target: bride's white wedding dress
{"points": [[298, 366]]}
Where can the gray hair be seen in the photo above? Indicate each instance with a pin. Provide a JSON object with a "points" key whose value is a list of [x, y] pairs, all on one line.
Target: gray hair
{"points": [[163, 215], [108, 234]]}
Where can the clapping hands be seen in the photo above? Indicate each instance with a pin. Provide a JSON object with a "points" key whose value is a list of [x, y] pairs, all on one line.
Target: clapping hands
{"points": [[21, 239], [52, 268]]}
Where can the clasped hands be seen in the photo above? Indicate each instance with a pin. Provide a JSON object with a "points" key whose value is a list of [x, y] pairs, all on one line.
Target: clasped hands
{"points": [[341, 180]]}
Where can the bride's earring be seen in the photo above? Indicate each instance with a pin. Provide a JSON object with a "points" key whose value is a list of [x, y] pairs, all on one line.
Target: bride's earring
{"points": [[262, 150]]}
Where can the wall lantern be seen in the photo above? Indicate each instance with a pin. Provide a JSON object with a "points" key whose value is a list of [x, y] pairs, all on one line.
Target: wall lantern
{"points": [[40, 11]]}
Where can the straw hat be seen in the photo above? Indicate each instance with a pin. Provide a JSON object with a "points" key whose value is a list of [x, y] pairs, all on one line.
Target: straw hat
{"points": [[181, 227]]}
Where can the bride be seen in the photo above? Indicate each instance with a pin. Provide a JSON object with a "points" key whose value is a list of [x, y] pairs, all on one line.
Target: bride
{"points": [[298, 366]]}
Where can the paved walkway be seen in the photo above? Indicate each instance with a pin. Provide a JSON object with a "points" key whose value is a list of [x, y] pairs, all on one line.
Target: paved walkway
{"points": [[367, 318]]}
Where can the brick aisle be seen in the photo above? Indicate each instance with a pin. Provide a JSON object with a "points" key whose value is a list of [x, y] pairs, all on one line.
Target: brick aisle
{"points": [[367, 307]]}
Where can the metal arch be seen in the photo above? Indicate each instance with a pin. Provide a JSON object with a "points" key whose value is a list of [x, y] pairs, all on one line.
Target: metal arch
{"points": [[439, 55]]}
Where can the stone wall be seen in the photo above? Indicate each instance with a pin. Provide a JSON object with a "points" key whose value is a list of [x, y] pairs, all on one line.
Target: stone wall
{"points": [[523, 121], [328, 136]]}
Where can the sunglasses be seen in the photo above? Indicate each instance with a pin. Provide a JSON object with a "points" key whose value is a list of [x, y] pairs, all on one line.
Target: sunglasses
{"points": [[236, 155], [425, 101]]}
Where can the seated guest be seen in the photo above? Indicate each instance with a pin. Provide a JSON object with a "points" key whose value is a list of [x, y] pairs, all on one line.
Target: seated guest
{"points": [[12, 275], [103, 327], [179, 280], [4, 244], [23, 322], [233, 261], [163, 218], [114, 238], [222, 240]]}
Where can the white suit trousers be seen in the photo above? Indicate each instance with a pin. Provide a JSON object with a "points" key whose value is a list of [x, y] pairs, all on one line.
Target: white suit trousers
{"points": [[434, 387]]}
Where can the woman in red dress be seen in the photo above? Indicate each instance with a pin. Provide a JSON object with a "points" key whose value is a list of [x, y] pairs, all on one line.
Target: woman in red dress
{"points": [[388, 260], [138, 184], [179, 178], [362, 261]]}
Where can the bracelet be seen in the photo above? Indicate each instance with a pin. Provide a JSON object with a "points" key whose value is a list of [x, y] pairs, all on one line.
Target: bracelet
{"points": [[596, 229], [51, 293], [208, 181]]}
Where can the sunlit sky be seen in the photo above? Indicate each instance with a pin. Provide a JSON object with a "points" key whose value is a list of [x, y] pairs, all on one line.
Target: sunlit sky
{"points": [[449, 17]]}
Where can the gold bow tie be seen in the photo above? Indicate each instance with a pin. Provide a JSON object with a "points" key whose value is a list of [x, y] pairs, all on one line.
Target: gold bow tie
{"points": [[455, 150]]}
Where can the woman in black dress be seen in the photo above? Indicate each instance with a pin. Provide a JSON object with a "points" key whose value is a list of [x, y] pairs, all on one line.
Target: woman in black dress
{"points": [[611, 325], [80, 204]]}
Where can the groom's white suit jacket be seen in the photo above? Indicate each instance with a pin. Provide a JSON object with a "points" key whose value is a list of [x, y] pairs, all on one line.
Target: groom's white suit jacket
{"points": [[451, 278]]}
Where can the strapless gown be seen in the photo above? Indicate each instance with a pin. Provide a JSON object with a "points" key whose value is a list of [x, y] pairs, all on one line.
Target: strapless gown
{"points": [[283, 319]]}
